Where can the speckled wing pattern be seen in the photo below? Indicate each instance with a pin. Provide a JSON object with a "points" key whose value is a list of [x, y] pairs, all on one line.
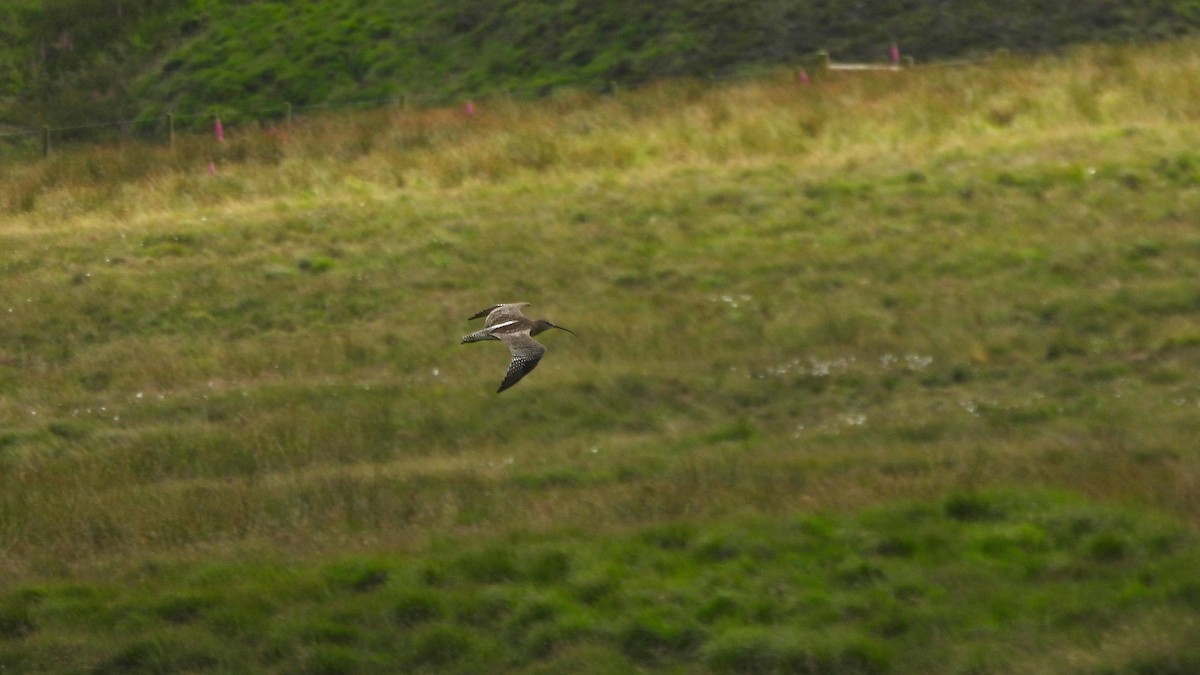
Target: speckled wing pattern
{"points": [[526, 352]]}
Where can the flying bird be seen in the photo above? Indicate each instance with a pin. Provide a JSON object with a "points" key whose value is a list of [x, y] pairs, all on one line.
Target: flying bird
{"points": [[506, 323]]}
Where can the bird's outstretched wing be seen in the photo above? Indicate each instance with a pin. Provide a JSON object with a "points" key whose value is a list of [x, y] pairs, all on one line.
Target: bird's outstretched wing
{"points": [[503, 312], [526, 352]]}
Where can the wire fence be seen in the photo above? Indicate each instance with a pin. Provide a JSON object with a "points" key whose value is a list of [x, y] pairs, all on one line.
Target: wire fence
{"points": [[162, 128], [32, 143]]}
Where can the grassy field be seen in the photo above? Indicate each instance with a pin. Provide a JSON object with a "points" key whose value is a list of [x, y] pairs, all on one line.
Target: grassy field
{"points": [[883, 373]]}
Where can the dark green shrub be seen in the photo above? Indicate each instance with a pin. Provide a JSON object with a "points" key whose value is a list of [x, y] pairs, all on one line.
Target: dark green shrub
{"points": [[971, 507], [416, 607], [549, 566], [659, 635], [16, 620], [1107, 548], [163, 655], [356, 575], [331, 660], [439, 645], [786, 650], [718, 607], [490, 565], [183, 607]]}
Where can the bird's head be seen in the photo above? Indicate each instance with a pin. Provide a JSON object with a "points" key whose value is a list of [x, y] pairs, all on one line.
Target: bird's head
{"points": [[542, 325]]}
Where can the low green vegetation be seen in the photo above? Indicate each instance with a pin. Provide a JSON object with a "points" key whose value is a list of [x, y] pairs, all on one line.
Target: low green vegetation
{"points": [[83, 62], [976, 582], [882, 373]]}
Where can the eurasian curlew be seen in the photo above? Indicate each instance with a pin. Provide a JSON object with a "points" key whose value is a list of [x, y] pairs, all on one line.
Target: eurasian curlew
{"points": [[506, 323]]}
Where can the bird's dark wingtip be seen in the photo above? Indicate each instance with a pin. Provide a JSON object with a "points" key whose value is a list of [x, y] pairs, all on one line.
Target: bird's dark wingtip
{"points": [[482, 313]]}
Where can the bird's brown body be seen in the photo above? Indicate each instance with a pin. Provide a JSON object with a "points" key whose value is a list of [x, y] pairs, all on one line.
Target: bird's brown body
{"points": [[506, 323]]}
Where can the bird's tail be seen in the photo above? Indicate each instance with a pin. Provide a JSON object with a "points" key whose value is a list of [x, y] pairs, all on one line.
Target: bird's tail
{"points": [[485, 334]]}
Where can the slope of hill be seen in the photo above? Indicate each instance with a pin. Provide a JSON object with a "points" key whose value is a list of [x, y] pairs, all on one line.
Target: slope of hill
{"points": [[75, 61], [881, 373]]}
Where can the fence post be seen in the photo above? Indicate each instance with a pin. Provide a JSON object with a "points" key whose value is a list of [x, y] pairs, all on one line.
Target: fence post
{"points": [[287, 114], [45, 141], [171, 130], [823, 60]]}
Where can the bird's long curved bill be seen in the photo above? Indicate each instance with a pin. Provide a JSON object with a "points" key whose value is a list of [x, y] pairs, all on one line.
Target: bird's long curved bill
{"points": [[566, 329]]}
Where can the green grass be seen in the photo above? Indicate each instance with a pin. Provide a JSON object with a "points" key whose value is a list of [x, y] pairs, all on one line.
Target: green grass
{"points": [[72, 63], [876, 374], [976, 580]]}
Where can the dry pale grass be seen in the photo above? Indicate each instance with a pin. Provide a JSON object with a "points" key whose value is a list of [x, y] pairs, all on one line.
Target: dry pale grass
{"points": [[888, 119]]}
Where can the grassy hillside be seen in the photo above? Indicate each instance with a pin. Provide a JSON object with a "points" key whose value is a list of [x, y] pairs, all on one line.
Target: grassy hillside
{"points": [[877, 374], [84, 61]]}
